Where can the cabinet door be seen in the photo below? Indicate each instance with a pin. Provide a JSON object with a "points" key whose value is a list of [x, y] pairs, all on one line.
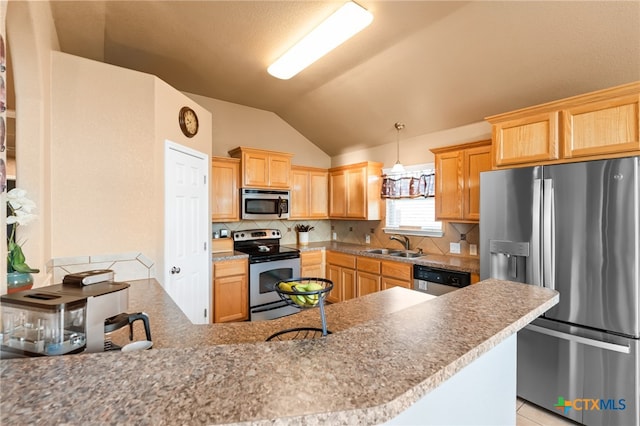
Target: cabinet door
{"points": [[279, 171], [367, 283], [449, 185], [357, 193], [311, 264], [334, 275], [318, 194], [299, 194], [255, 169], [476, 160], [338, 194], [224, 190], [387, 283], [398, 270], [605, 127], [230, 299], [348, 279], [527, 140]]}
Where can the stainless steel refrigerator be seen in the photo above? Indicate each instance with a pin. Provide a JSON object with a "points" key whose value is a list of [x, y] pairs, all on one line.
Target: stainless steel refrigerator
{"points": [[573, 228]]}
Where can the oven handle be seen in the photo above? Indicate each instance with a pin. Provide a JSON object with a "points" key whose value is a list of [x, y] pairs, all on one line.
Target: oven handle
{"points": [[271, 306]]}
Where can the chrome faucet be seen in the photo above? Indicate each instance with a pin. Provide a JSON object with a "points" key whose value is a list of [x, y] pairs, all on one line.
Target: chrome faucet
{"points": [[406, 241]]}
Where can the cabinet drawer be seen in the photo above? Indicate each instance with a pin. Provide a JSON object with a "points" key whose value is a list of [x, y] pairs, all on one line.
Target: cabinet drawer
{"points": [[341, 259], [388, 283], [398, 270], [311, 258], [368, 264], [229, 268]]}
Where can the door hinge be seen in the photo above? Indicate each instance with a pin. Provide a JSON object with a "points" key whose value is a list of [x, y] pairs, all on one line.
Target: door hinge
{"points": [[205, 246], [205, 179], [205, 312]]}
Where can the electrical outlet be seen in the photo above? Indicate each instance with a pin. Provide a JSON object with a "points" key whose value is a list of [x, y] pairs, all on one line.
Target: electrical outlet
{"points": [[454, 248], [367, 239], [473, 249], [334, 236]]}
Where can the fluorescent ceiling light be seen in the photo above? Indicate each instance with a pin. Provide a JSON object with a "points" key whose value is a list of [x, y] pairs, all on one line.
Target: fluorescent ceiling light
{"points": [[335, 30]]}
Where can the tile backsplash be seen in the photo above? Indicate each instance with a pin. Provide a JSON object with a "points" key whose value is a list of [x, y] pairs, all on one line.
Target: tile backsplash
{"points": [[355, 232]]}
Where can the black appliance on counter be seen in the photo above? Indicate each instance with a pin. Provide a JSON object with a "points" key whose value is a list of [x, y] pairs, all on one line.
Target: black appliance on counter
{"points": [[436, 281], [269, 263]]}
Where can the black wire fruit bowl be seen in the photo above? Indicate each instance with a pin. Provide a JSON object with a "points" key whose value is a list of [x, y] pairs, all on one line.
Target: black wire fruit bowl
{"points": [[304, 293]]}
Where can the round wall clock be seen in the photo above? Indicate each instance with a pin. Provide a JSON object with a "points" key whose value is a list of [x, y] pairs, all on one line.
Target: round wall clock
{"points": [[188, 121]]}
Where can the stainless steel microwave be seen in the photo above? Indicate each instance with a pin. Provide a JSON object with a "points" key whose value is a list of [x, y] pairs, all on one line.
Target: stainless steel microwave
{"points": [[264, 204]]}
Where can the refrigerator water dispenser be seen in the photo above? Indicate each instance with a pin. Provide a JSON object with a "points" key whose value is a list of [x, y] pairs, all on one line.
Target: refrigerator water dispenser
{"points": [[509, 260]]}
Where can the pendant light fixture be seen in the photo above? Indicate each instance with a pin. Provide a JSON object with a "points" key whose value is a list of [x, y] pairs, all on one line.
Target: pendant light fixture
{"points": [[398, 167]]}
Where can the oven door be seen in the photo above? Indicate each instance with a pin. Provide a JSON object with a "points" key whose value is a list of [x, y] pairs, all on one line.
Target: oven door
{"points": [[264, 301]]}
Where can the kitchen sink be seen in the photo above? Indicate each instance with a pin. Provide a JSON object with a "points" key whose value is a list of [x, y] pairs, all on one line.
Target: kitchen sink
{"points": [[395, 253], [383, 251], [409, 254]]}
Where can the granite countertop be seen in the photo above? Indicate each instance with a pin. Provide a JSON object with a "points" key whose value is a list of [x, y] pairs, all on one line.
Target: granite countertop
{"points": [[387, 350], [456, 263]]}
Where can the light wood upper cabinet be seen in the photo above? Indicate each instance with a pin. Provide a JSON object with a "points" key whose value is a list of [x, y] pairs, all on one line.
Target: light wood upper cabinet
{"points": [[476, 160], [458, 180], [309, 193], [604, 127], [263, 169], [596, 125], [354, 191], [526, 140], [225, 191]]}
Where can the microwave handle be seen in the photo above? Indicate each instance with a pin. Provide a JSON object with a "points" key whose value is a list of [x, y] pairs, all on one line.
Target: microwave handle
{"points": [[280, 207]]}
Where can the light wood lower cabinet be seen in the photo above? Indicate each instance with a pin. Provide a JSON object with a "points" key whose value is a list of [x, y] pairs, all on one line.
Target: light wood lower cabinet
{"points": [[230, 291], [312, 264], [341, 270], [368, 276], [396, 274]]}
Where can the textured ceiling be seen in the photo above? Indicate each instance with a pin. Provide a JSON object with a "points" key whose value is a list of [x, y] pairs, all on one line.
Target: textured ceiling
{"points": [[431, 65]]}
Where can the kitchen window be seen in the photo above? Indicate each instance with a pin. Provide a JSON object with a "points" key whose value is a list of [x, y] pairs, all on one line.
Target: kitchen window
{"points": [[410, 202]]}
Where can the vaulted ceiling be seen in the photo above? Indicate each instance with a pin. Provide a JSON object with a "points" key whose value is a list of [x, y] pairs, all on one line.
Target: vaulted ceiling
{"points": [[432, 65]]}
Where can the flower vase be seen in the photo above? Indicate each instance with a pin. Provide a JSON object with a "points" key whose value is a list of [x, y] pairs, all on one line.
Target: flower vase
{"points": [[18, 281], [303, 238]]}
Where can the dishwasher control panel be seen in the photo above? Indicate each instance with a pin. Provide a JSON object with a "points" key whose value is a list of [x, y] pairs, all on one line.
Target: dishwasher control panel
{"points": [[441, 276]]}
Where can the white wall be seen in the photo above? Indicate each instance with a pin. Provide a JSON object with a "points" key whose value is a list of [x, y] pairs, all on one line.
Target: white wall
{"points": [[32, 36], [416, 150], [238, 125]]}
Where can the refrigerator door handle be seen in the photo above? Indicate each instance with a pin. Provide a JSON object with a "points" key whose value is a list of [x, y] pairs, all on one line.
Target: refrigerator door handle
{"points": [[579, 339], [536, 266], [548, 240]]}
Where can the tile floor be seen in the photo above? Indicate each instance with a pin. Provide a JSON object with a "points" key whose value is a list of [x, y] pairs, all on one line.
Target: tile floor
{"points": [[529, 414]]}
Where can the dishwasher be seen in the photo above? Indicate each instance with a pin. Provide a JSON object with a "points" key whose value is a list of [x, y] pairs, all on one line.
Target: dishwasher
{"points": [[437, 281]]}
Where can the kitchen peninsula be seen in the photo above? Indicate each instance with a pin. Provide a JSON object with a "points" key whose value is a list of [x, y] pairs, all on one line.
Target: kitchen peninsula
{"points": [[387, 354]]}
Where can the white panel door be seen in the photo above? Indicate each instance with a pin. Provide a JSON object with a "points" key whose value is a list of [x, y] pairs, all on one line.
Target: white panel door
{"points": [[187, 224]]}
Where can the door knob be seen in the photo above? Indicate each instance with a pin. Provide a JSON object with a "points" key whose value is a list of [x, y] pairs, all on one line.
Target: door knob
{"points": [[175, 270]]}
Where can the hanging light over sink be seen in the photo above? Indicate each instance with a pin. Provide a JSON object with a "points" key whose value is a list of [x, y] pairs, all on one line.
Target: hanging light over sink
{"points": [[398, 167]]}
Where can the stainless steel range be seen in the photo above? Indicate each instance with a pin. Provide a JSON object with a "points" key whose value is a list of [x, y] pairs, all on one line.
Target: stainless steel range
{"points": [[269, 263]]}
